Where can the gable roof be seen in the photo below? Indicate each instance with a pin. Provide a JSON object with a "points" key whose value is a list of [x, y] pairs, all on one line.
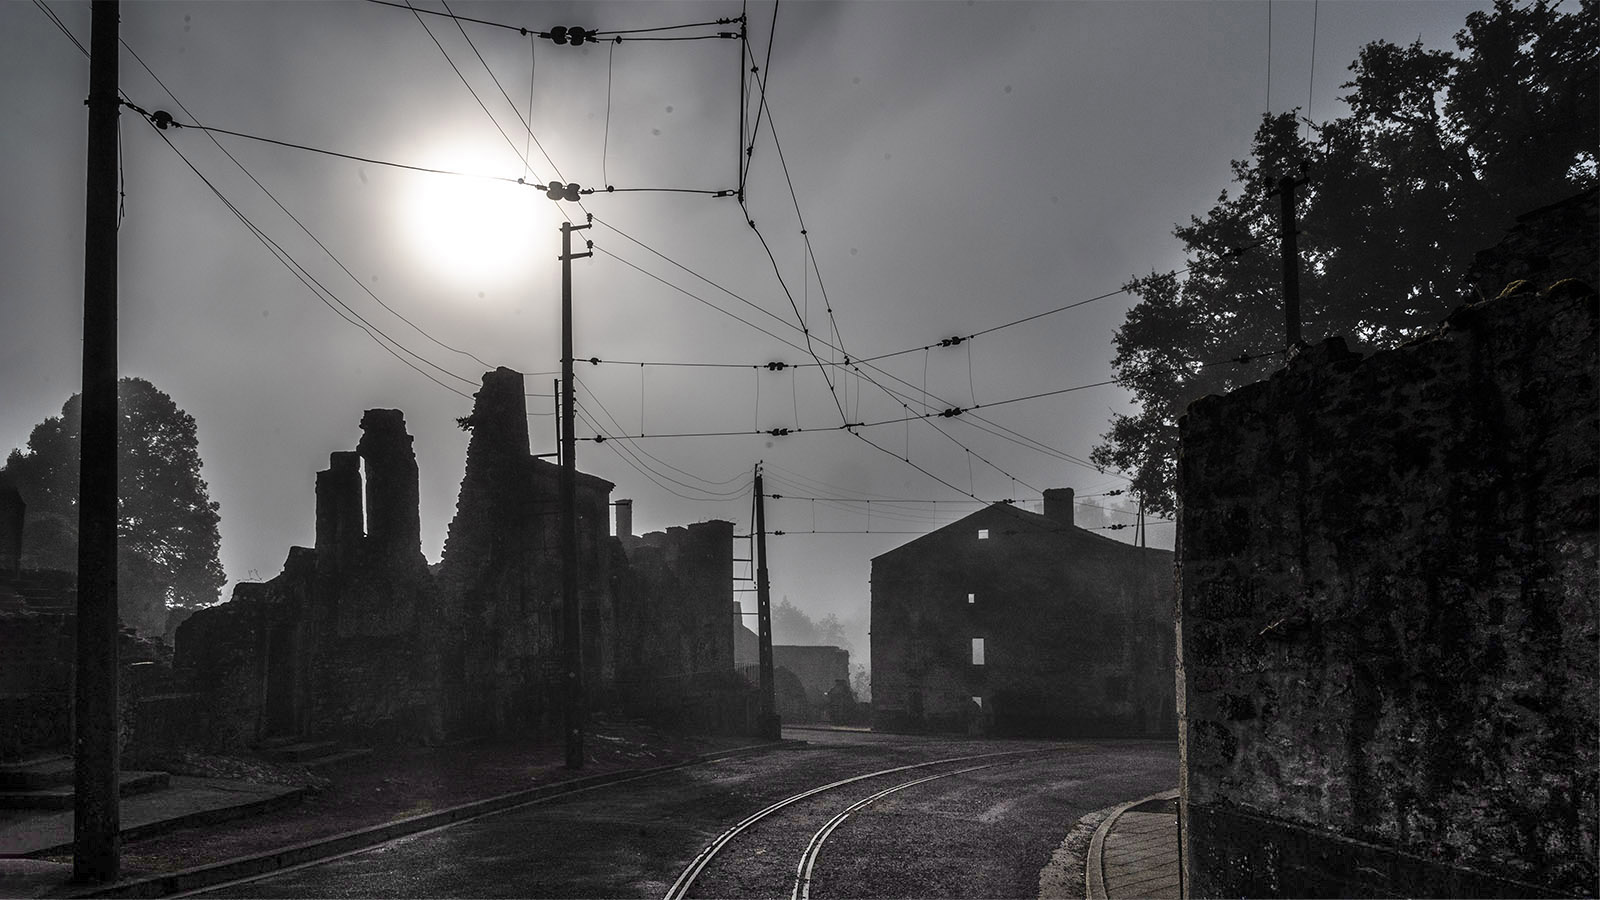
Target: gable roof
{"points": [[1013, 520]]}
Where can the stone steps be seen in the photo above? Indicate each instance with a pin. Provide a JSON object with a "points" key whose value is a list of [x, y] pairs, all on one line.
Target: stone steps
{"points": [[36, 773], [60, 796], [339, 758], [313, 754]]}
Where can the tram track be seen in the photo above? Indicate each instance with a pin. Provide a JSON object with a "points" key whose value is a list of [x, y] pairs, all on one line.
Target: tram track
{"points": [[803, 871]]}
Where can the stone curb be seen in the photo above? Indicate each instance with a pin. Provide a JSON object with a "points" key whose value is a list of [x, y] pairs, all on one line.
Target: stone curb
{"points": [[322, 849], [1094, 871]]}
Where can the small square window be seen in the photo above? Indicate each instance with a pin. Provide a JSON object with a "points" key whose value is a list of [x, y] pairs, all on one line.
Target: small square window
{"points": [[977, 651], [983, 534], [978, 701], [972, 598]]}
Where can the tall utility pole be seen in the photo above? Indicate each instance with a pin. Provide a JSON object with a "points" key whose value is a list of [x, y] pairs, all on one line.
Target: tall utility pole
{"points": [[571, 606], [96, 816], [1291, 259], [769, 727]]}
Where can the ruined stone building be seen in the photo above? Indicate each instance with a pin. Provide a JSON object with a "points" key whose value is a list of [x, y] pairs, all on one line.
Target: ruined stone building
{"points": [[1022, 623], [359, 638], [804, 675], [1390, 601]]}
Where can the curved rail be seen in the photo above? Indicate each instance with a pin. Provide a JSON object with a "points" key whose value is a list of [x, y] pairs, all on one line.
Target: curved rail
{"points": [[802, 875], [680, 887]]}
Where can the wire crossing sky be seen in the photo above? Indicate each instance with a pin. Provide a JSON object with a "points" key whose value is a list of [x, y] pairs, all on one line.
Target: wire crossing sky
{"points": [[947, 198]]}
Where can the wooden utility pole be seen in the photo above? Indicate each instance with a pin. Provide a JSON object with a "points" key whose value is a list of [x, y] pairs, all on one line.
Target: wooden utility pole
{"points": [[770, 727], [96, 816], [571, 606], [1291, 259]]}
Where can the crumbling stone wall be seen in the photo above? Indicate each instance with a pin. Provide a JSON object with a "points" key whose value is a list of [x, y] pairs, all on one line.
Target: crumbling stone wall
{"points": [[345, 639], [35, 683], [1388, 571], [500, 577], [675, 649], [359, 638]]}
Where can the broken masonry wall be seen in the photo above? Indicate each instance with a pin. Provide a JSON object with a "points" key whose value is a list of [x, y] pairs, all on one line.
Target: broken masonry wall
{"points": [[486, 578], [345, 641], [500, 577], [1388, 571], [592, 498], [675, 647]]}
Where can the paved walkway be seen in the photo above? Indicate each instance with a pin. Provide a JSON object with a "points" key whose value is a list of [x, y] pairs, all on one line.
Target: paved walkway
{"points": [[1134, 852], [186, 802]]}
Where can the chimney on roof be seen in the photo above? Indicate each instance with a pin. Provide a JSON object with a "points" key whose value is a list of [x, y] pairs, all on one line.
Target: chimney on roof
{"points": [[1058, 504], [624, 518]]}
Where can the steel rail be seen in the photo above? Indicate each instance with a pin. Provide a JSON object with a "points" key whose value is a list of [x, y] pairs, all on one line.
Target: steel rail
{"points": [[802, 876], [680, 887]]}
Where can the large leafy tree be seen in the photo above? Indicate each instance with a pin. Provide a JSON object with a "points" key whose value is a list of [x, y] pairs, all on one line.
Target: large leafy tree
{"points": [[1438, 154], [167, 536]]}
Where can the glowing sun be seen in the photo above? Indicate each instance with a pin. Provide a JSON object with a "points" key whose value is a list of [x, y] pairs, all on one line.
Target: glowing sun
{"points": [[477, 228]]}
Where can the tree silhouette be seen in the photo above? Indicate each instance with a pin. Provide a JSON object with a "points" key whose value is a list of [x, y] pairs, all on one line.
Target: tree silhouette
{"points": [[167, 536], [1439, 153]]}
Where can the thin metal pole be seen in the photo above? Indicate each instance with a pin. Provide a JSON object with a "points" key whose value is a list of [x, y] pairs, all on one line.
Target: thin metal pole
{"points": [[770, 727], [1291, 260], [96, 816], [571, 606]]}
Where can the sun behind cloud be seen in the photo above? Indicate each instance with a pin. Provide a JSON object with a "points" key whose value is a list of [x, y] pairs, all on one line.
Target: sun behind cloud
{"points": [[476, 229]]}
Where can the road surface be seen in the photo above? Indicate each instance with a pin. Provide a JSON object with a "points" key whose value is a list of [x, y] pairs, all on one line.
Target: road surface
{"points": [[967, 818]]}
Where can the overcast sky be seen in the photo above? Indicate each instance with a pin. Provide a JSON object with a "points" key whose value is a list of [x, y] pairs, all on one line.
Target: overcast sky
{"points": [[958, 166]]}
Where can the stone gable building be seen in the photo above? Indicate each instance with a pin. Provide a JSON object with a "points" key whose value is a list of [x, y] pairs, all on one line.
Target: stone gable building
{"points": [[1022, 623]]}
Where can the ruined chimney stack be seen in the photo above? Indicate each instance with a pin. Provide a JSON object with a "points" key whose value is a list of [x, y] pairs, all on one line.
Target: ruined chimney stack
{"points": [[339, 521], [1058, 504], [394, 523], [624, 518]]}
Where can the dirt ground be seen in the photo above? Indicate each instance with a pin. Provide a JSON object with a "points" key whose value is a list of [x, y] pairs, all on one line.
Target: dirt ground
{"points": [[396, 782]]}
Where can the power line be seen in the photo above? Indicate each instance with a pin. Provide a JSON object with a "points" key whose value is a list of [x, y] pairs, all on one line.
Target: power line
{"points": [[526, 123], [471, 90], [310, 281], [526, 31], [1312, 81], [780, 320], [165, 120], [640, 450], [314, 238]]}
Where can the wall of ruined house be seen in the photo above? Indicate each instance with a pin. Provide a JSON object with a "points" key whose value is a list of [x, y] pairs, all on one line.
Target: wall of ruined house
{"points": [[1076, 630], [346, 639], [675, 658], [38, 646], [1388, 615], [500, 577], [35, 682], [358, 638], [816, 668]]}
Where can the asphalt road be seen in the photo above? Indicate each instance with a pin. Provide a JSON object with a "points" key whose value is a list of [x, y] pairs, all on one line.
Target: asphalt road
{"points": [[982, 833]]}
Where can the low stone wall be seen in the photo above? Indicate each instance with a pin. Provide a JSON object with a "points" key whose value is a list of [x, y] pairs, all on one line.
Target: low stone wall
{"points": [[1389, 576]]}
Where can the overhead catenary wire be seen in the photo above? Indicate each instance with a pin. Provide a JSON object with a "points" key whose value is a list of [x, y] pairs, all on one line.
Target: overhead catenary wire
{"points": [[526, 31], [833, 323], [1311, 84], [330, 254], [473, 91], [1024, 440], [317, 288], [527, 123]]}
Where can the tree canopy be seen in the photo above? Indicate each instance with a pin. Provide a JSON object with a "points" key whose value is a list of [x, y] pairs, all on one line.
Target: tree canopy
{"points": [[167, 537], [1439, 152]]}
